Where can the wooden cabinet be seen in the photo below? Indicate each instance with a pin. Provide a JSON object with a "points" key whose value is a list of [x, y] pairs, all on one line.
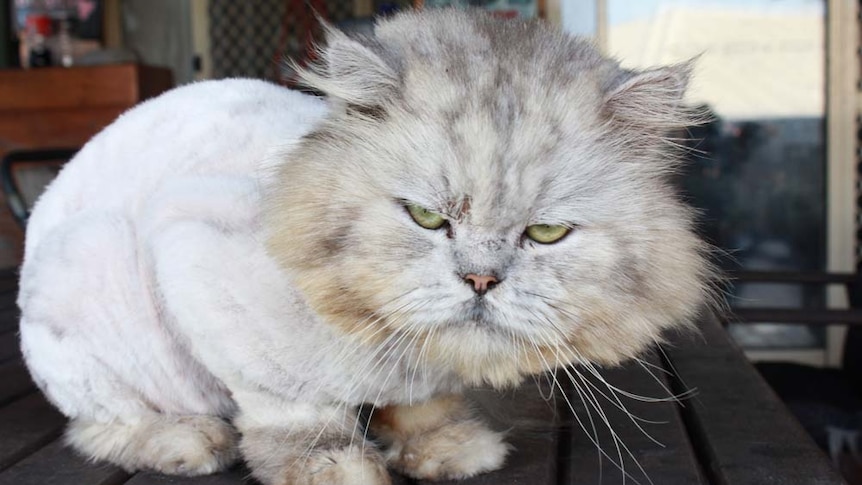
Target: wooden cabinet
{"points": [[60, 107]]}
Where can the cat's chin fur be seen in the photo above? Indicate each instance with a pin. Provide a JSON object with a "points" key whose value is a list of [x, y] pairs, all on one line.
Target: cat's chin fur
{"points": [[235, 256]]}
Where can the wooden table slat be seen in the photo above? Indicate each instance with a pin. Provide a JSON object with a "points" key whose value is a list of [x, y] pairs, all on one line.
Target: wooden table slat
{"points": [[57, 464], [672, 462], [235, 476], [8, 283], [9, 347], [533, 404], [9, 319], [15, 381], [26, 425], [8, 295], [743, 433]]}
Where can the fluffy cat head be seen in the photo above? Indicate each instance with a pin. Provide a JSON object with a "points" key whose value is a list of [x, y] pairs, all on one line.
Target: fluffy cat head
{"points": [[494, 190]]}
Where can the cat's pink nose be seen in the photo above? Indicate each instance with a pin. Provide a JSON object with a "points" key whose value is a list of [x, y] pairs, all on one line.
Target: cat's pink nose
{"points": [[481, 283]]}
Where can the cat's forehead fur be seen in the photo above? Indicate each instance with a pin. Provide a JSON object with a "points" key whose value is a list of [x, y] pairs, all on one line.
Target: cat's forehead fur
{"points": [[499, 112], [475, 53], [479, 85]]}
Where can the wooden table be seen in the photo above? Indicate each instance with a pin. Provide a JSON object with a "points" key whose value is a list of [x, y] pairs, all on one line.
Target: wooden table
{"points": [[732, 431]]}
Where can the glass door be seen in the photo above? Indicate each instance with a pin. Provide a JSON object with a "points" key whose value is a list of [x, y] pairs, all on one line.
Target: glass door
{"points": [[757, 170]]}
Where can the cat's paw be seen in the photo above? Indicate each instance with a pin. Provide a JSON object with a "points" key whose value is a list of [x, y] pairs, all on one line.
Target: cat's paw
{"points": [[176, 445], [457, 450], [199, 445], [346, 466]]}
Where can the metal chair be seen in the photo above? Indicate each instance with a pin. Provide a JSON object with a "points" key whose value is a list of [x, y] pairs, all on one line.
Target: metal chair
{"points": [[826, 401], [15, 198]]}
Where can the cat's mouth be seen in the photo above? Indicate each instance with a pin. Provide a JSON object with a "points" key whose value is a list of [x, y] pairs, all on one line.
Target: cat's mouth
{"points": [[477, 310], [479, 313]]}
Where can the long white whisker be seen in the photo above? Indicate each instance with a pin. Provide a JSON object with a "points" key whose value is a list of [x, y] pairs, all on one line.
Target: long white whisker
{"points": [[395, 365], [618, 442], [691, 392], [671, 396]]}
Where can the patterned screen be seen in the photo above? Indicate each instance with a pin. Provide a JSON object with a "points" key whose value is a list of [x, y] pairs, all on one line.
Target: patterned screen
{"points": [[251, 38]]}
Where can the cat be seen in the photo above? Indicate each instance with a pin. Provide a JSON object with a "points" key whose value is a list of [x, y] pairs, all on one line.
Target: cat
{"points": [[232, 269]]}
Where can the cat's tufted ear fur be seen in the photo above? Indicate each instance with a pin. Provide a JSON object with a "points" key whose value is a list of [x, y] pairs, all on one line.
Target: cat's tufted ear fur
{"points": [[651, 99], [349, 71]]}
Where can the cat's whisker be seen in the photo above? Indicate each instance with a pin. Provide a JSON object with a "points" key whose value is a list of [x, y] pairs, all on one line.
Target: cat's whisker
{"points": [[650, 365], [690, 392], [410, 347], [393, 320], [366, 338], [363, 370], [619, 444], [374, 360], [670, 398], [593, 437], [593, 371], [395, 365], [524, 340], [552, 370], [586, 395], [613, 401], [616, 402], [678, 397], [597, 375], [425, 345], [349, 347], [391, 348], [593, 402]]}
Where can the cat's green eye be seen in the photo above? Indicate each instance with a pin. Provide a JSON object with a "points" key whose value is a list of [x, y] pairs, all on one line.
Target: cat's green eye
{"points": [[425, 218], [546, 233]]}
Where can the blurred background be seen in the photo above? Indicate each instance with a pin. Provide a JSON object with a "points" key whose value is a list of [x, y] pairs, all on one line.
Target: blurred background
{"points": [[758, 170]]}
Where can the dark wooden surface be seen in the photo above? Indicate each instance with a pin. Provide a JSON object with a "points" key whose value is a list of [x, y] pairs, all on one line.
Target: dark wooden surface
{"points": [[803, 316], [691, 412]]}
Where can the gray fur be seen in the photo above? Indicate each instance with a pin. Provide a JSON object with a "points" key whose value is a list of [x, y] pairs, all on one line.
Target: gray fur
{"points": [[531, 126]]}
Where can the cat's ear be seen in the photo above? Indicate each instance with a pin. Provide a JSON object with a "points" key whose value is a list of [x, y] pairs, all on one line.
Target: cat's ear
{"points": [[651, 99], [350, 71]]}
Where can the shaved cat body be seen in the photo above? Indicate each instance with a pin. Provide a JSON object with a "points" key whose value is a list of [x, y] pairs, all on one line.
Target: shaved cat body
{"points": [[233, 269]]}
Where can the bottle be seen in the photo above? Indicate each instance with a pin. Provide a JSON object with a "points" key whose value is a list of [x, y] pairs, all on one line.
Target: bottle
{"points": [[64, 42], [37, 32]]}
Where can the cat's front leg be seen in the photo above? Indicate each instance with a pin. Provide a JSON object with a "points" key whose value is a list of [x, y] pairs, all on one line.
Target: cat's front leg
{"points": [[288, 443], [439, 439]]}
